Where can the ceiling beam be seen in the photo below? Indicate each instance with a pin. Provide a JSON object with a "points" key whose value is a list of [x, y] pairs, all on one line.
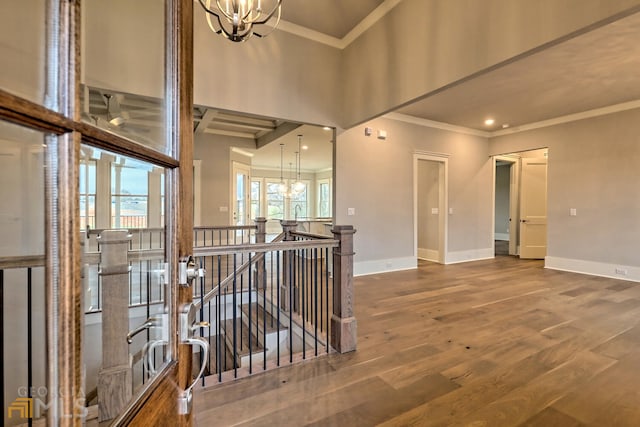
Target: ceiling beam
{"points": [[278, 132], [207, 118]]}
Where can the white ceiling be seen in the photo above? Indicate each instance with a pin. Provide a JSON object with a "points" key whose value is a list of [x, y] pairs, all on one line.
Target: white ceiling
{"points": [[318, 156]]}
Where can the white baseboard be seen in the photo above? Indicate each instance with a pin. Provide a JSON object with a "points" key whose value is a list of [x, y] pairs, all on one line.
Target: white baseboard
{"points": [[614, 271], [429, 254], [470, 255], [501, 236], [364, 268]]}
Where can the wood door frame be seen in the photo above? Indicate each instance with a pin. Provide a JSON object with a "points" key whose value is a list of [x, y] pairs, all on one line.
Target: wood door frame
{"points": [[61, 121], [514, 202], [443, 220]]}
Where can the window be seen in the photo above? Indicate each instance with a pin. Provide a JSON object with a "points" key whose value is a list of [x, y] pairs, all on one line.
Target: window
{"points": [[256, 196], [275, 201], [298, 206], [129, 196], [324, 198], [87, 193]]}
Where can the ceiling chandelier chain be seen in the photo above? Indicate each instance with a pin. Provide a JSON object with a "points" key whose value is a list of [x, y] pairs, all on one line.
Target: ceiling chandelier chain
{"points": [[235, 19]]}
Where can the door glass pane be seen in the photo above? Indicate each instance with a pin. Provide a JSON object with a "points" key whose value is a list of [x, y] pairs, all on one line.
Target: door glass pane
{"points": [[125, 298], [256, 190], [123, 86], [22, 278], [22, 32], [240, 211]]}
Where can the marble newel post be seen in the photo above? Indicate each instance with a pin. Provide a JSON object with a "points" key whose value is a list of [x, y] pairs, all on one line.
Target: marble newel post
{"points": [[115, 386], [343, 323]]}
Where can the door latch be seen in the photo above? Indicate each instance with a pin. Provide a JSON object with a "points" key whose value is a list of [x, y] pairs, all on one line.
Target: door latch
{"points": [[187, 326], [187, 271]]}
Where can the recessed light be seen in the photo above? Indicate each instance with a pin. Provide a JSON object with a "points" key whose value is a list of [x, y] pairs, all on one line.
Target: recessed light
{"points": [[326, 128], [305, 147], [489, 122], [506, 125]]}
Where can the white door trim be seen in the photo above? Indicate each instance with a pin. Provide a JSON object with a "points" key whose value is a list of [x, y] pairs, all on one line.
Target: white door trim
{"points": [[443, 159]]}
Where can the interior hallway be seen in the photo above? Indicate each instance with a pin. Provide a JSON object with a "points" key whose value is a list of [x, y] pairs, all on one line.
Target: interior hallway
{"points": [[497, 342]]}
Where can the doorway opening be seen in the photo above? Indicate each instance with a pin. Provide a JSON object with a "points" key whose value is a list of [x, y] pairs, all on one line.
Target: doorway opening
{"points": [[520, 204], [430, 207]]}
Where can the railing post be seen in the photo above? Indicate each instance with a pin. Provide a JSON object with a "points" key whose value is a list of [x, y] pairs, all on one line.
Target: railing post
{"points": [[343, 323], [115, 386], [261, 232], [287, 265], [260, 268]]}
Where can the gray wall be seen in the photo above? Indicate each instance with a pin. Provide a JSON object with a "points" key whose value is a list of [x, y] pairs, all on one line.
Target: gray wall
{"points": [[428, 198], [215, 187], [424, 45], [376, 178], [282, 76], [593, 167], [503, 179]]}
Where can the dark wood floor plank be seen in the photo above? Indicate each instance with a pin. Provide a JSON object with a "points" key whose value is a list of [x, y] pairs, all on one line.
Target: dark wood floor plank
{"points": [[500, 342]]}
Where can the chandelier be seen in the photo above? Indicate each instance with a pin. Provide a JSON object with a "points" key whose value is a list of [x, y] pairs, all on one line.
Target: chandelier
{"points": [[235, 19]]}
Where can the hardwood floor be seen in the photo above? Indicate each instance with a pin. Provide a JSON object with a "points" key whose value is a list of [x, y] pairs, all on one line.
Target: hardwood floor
{"points": [[502, 342]]}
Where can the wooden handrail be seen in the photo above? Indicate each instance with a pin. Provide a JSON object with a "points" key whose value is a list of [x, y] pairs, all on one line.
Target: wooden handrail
{"points": [[289, 245], [310, 235], [25, 261]]}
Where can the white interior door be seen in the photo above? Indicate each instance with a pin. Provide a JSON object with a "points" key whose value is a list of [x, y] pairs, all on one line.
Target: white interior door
{"points": [[533, 208], [240, 196]]}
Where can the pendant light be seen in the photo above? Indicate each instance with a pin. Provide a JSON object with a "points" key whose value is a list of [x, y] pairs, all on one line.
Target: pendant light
{"points": [[298, 187], [282, 187]]}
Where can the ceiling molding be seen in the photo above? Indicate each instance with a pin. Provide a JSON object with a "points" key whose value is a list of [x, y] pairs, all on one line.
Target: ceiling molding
{"points": [[307, 33], [436, 125], [207, 118], [611, 109], [377, 14], [280, 131], [631, 105]]}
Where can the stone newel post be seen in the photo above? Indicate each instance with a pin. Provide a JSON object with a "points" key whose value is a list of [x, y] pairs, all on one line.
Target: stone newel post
{"points": [[343, 323]]}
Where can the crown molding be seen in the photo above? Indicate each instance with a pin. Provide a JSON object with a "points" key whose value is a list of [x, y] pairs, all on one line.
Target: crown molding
{"points": [[313, 35], [436, 125], [631, 105], [377, 14]]}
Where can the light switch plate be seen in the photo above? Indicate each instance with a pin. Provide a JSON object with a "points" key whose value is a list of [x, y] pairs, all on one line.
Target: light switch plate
{"points": [[573, 212], [351, 211]]}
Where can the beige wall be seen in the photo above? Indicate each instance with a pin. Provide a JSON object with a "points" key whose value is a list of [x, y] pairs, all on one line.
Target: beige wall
{"points": [[424, 45], [281, 76], [22, 42], [376, 178], [215, 174], [593, 167]]}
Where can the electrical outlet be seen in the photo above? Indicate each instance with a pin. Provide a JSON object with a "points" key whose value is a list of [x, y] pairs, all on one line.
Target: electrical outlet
{"points": [[621, 271], [351, 211]]}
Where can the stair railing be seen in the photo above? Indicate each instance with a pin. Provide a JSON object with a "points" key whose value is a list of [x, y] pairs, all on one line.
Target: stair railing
{"points": [[278, 304]]}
